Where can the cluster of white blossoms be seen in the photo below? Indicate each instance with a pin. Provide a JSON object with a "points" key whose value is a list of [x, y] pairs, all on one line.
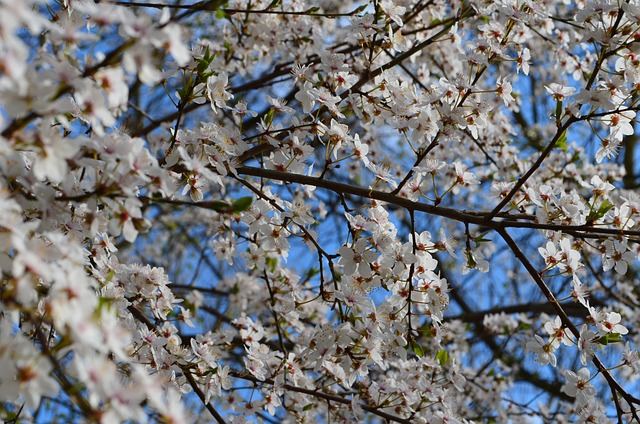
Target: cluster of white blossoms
{"points": [[271, 211]]}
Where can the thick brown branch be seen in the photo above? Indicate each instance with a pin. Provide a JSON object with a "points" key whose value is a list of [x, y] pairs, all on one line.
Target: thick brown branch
{"points": [[572, 309], [471, 217]]}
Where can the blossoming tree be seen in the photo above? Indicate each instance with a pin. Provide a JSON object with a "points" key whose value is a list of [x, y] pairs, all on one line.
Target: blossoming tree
{"points": [[411, 211]]}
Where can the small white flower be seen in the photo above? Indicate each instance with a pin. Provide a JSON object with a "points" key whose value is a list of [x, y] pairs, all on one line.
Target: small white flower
{"points": [[357, 259], [578, 386], [559, 92], [610, 323], [464, 177], [557, 333], [393, 11], [587, 344], [217, 92], [543, 351]]}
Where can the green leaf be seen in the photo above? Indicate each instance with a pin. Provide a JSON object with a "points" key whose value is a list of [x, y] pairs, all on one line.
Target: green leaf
{"points": [[271, 263], [417, 349], [110, 275], [268, 119], [471, 260], [215, 6], [480, 238], [104, 303], [359, 9], [185, 92], [442, 356], [242, 204], [203, 64], [209, 55], [229, 50], [558, 110], [611, 338], [605, 207], [561, 142], [595, 215], [219, 206]]}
